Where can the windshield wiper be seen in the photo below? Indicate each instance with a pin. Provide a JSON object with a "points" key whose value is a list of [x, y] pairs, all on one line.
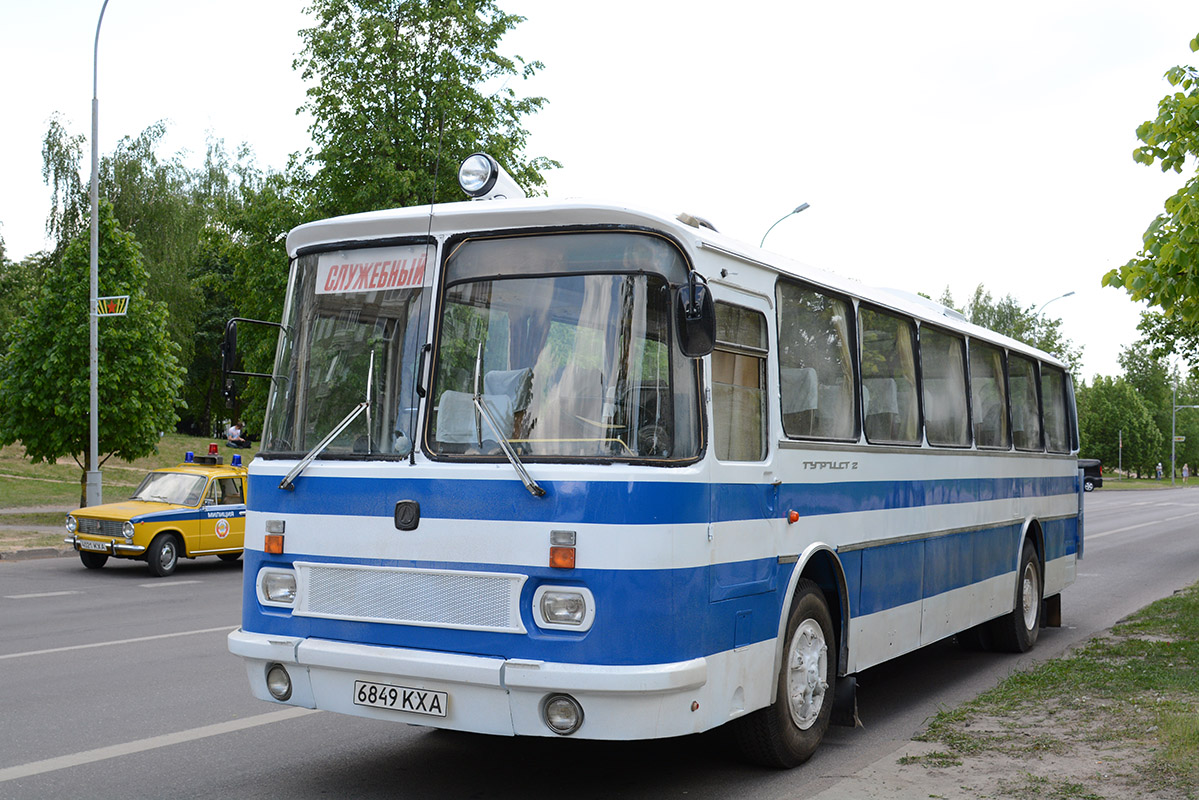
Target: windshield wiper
{"points": [[482, 411], [288, 481]]}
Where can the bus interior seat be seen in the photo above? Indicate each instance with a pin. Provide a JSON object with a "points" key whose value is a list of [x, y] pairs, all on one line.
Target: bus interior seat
{"points": [[800, 393], [880, 397], [456, 417]]}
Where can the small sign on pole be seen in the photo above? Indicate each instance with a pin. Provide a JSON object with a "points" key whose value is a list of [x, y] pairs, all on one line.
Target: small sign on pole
{"points": [[1180, 438], [112, 306]]}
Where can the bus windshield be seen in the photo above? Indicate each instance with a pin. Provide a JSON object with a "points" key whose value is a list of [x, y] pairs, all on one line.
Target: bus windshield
{"points": [[354, 326], [560, 346]]}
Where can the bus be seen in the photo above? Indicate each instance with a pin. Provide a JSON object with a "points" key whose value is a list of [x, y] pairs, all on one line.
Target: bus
{"points": [[569, 469]]}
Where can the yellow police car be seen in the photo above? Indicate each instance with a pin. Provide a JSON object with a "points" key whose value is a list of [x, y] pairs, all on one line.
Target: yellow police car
{"points": [[197, 508]]}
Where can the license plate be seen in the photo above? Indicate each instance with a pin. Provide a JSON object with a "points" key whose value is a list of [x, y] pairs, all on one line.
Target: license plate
{"points": [[88, 544], [400, 698]]}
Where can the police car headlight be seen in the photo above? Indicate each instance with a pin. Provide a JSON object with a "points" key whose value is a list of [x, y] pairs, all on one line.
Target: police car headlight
{"points": [[127, 529], [277, 587], [564, 607], [72, 524]]}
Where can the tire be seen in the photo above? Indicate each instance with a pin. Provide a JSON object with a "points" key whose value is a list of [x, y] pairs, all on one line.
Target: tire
{"points": [[93, 560], [229, 556], [1017, 632], [786, 734], [1088, 485], [163, 555]]}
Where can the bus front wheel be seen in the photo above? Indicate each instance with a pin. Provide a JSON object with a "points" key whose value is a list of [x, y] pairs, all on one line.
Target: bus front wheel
{"points": [[787, 733]]}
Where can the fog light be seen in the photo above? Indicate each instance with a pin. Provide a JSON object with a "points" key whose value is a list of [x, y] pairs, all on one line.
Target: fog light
{"points": [[562, 714], [278, 682]]}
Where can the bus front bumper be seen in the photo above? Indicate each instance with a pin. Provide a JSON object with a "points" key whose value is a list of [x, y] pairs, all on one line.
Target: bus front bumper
{"points": [[482, 694]]}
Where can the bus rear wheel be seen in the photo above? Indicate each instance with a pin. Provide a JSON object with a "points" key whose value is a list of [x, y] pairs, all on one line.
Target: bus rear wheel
{"points": [[1017, 632], [787, 733]]}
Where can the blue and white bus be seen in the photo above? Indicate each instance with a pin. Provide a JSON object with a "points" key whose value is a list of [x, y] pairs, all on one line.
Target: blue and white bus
{"points": [[551, 468]]}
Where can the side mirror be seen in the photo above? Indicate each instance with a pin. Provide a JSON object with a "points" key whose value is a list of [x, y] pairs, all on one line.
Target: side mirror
{"points": [[229, 347], [695, 318]]}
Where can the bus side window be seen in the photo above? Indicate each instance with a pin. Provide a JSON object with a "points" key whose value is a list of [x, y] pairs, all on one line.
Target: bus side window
{"points": [[889, 378], [1026, 410], [943, 365], [739, 384], [816, 375], [1053, 395], [988, 395]]}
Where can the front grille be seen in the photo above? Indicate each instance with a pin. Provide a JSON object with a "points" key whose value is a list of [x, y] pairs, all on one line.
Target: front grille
{"points": [[99, 527], [432, 598]]}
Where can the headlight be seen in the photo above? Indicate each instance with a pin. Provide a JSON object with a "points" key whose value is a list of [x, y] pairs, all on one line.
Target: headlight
{"points": [[564, 607], [277, 587], [72, 524], [482, 178], [127, 529]]}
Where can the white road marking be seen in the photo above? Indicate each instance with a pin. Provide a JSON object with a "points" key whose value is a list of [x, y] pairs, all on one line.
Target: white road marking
{"points": [[37, 594], [159, 584], [1089, 536], [152, 743], [117, 641]]}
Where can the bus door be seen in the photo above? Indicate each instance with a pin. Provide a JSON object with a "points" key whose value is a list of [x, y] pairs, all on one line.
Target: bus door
{"points": [[744, 552]]}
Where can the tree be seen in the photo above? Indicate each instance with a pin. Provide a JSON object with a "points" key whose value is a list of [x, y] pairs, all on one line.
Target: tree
{"points": [[1109, 411], [1166, 270], [44, 374], [401, 95], [19, 281], [1008, 317]]}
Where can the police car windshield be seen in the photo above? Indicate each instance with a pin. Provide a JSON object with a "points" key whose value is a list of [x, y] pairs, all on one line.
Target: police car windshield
{"points": [[171, 487]]}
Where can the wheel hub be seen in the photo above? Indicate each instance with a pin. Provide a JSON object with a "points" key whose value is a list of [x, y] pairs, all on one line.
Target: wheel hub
{"points": [[807, 665]]}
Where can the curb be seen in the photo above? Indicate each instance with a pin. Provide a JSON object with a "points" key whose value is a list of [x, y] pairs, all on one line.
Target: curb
{"points": [[35, 552]]}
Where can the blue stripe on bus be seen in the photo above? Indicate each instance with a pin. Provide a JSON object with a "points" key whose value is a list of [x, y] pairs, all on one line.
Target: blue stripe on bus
{"points": [[631, 502], [664, 616]]}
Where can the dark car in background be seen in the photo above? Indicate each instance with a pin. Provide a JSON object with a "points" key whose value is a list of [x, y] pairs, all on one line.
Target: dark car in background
{"points": [[1092, 473]]}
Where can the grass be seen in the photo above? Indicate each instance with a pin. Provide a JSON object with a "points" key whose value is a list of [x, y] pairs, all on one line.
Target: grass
{"points": [[1133, 691], [25, 485]]}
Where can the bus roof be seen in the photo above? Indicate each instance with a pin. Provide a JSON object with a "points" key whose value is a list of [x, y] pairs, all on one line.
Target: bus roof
{"points": [[490, 215]]}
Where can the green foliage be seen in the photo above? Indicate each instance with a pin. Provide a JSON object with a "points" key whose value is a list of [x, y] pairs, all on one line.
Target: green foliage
{"points": [[19, 281], [1024, 324], [257, 219], [44, 374], [1110, 409], [412, 101], [1166, 271]]}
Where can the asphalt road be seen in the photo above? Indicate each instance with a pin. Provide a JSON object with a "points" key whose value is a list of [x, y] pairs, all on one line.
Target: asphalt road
{"points": [[114, 684]]}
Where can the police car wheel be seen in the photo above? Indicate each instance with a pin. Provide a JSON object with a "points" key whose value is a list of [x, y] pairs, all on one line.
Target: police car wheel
{"points": [[163, 555], [93, 560]]}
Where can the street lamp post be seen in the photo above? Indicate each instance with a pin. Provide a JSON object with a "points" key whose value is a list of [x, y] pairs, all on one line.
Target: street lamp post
{"points": [[795, 210], [1047, 302], [94, 492]]}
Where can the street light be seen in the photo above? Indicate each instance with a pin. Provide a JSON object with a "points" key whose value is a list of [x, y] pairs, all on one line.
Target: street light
{"points": [[796, 210], [1047, 302], [93, 494]]}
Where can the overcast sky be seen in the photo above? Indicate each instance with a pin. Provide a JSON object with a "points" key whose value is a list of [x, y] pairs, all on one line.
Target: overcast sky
{"points": [[940, 144]]}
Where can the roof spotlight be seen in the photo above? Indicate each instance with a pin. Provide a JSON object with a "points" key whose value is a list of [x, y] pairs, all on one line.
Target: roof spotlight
{"points": [[482, 178]]}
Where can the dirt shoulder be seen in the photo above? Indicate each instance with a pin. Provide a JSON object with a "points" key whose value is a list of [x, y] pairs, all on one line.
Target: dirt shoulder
{"points": [[1117, 717]]}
